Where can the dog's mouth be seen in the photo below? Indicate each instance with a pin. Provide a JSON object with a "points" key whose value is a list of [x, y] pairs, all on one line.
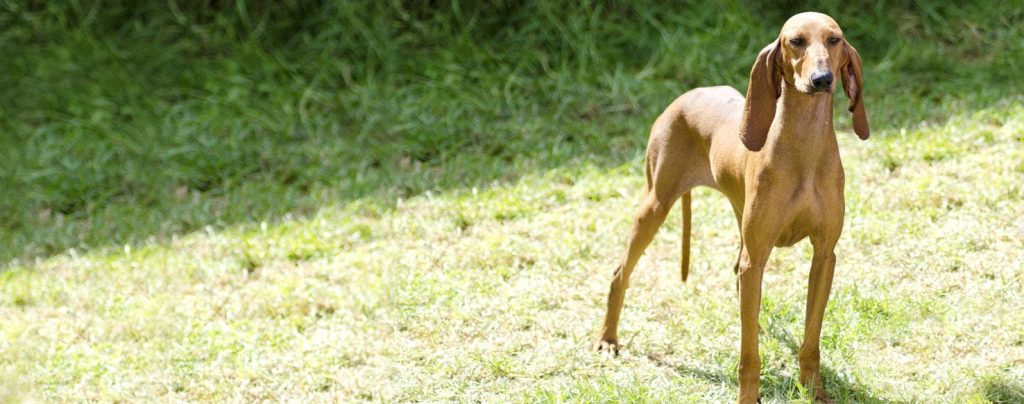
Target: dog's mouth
{"points": [[808, 89]]}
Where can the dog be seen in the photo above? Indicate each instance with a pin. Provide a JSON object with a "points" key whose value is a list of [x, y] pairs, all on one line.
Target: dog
{"points": [[775, 157]]}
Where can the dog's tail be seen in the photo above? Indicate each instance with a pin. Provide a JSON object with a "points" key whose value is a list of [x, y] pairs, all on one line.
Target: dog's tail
{"points": [[685, 268]]}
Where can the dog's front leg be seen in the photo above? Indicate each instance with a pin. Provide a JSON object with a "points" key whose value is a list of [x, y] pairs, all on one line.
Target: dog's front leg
{"points": [[751, 269], [819, 286]]}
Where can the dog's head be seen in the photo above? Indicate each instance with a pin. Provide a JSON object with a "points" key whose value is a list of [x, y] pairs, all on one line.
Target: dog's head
{"points": [[810, 51]]}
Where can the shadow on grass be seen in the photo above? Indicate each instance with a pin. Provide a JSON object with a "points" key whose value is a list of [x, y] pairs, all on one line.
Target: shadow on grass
{"points": [[560, 147], [839, 387], [294, 187], [1000, 390], [778, 386]]}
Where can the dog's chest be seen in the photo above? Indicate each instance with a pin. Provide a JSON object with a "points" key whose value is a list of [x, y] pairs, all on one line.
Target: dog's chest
{"points": [[808, 209], [791, 234]]}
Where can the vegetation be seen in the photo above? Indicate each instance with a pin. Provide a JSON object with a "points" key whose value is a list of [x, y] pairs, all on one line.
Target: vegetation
{"points": [[248, 200]]}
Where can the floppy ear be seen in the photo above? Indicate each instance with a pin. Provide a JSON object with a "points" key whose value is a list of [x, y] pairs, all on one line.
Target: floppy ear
{"points": [[853, 84], [762, 93]]}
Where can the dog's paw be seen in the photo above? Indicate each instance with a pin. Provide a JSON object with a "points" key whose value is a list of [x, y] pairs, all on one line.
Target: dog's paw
{"points": [[821, 397], [609, 346]]}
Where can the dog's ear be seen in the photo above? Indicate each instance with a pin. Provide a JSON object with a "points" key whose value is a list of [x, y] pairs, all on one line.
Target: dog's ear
{"points": [[762, 94], [853, 84]]}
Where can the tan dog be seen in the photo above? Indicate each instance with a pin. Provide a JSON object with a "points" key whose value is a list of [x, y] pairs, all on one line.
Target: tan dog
{"points": [[774, 155]]}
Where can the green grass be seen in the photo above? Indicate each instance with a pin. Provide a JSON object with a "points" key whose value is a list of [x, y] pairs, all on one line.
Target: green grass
{"points": [[383, 201]]}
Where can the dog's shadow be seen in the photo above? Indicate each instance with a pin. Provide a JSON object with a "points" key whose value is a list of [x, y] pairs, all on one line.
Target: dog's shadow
{"points": [[785, 387], [1003, 390], [777, 386]]}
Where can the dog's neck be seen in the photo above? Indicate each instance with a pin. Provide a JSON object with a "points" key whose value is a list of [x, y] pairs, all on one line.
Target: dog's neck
{"points": [[803, 122]]}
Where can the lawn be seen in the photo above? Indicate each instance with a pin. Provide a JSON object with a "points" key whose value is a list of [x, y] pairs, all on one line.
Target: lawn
{"points": [[338, 201]]}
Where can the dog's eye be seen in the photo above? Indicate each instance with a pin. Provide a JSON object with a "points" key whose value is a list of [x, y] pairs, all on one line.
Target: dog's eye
{"points": [[798, 42], [833, 40]]}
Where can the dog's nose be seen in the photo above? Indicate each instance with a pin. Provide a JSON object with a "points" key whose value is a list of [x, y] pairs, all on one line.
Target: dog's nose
{"points": [[821, 80]]}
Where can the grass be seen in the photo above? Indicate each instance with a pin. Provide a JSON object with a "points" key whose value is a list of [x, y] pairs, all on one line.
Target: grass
{"points": [[344, 201]]}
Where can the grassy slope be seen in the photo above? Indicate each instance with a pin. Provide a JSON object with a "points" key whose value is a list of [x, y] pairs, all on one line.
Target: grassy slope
{"points": [[514, 161]]}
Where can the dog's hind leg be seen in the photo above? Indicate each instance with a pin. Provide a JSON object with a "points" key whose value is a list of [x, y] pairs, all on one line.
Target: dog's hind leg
{"points": [[676, 162], [646, 222], [665, 183]]}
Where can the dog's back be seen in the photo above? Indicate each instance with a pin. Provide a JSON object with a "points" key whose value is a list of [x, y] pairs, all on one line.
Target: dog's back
{"points": [[703, 111], [700, 129]]}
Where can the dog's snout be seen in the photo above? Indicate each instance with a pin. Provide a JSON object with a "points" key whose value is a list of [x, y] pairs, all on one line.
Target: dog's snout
{"points": [[821, 80]]}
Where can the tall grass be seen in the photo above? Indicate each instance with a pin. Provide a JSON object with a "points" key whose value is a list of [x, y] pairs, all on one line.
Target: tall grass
{"points": [[124, 121]]}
